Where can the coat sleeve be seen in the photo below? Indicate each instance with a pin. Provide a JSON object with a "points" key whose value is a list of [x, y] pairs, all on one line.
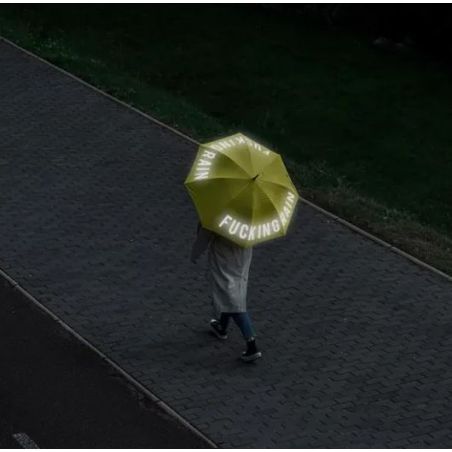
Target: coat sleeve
{"points": [[202, 242]]}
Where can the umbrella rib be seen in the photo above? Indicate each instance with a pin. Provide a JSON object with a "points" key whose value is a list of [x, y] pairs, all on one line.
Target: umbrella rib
{"points": [[235, 197], [234, 161], [268, 163], [226, 177], [275, 183], [250, 158], [253, 209], [272, 203]]}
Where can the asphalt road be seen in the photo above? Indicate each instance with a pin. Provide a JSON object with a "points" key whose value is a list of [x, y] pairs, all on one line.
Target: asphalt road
{"points": [[62, 395]]}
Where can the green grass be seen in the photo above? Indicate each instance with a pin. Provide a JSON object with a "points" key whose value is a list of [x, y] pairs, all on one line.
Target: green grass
{"points": [[366, 133]]}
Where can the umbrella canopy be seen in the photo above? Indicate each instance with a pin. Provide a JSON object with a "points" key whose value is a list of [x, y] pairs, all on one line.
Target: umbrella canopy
{"points": [[241, 190]]}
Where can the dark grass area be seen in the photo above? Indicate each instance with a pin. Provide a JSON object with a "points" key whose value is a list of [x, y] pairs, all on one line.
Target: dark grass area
{"points": [[367, 133]]}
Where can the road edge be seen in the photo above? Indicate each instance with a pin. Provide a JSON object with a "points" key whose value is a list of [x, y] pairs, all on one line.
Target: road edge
{"points": [[132, 380]]}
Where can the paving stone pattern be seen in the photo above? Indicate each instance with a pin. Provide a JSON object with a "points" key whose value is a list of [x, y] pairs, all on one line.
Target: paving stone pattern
{"points": [[96, 223]]}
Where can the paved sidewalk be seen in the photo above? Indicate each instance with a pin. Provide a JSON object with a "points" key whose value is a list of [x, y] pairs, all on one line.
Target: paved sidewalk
{"points": [[96, 224]]}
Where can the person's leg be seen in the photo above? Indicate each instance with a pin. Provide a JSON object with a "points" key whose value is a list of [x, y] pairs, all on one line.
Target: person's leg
{"points": [[224, 320], [243, 321], [219, 326]]}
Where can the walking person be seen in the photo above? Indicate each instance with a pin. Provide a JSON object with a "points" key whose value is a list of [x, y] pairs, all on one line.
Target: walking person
{"points": [[229, 266]]}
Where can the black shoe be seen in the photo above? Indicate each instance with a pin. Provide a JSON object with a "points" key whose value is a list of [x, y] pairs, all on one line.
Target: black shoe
{"points": [[216, 329], [251, 353]]}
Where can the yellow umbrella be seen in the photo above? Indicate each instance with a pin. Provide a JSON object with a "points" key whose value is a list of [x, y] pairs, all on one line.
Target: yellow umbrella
{"points": [[241, 190]]}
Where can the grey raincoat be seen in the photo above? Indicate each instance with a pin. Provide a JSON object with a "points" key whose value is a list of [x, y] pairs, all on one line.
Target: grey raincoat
{"points": [[229, 266]]}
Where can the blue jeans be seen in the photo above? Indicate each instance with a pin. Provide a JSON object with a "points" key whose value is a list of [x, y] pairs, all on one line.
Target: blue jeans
{"points": [[243, 321]]}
